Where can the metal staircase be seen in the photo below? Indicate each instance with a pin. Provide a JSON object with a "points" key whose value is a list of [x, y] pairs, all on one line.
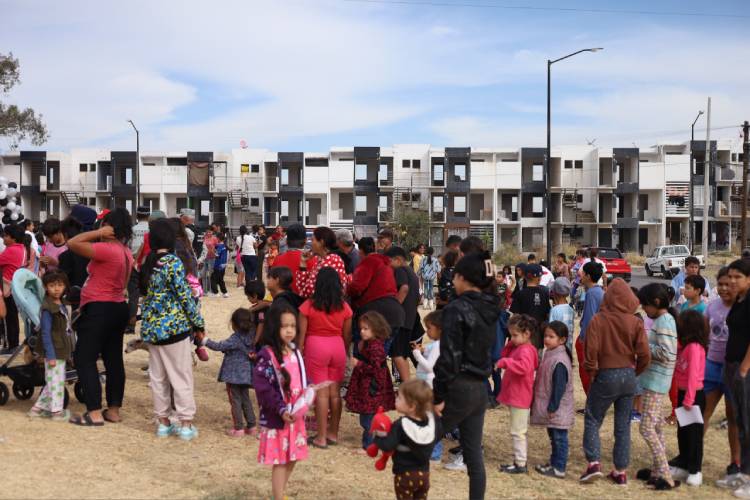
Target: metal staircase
{"points": [[70, 198], [570, 200], [237, 199]]}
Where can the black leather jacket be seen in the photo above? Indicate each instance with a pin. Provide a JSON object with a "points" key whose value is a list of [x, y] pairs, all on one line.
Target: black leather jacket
{"points": [[469, 324]]}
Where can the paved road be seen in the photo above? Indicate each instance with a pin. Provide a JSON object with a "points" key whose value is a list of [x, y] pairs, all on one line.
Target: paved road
{"points": [[639, 278]]}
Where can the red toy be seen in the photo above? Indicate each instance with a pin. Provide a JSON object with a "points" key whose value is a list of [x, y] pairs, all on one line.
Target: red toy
{"points": [[380, 423]]}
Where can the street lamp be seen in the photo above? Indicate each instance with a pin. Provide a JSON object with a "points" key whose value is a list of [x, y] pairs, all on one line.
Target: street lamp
{"points": [[137, 165], [691, 229], [549, 147]]}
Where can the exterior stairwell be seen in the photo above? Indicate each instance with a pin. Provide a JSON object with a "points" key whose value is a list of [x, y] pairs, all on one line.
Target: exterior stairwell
{"points": [[70, 198]]}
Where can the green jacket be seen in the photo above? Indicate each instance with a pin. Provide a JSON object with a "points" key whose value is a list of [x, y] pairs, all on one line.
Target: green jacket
{"points": [[61, 340]]}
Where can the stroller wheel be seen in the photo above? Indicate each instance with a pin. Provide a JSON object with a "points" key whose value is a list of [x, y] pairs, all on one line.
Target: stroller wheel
{"points": [[4, 394], [78, 391], [21, 391], [66, 401]]}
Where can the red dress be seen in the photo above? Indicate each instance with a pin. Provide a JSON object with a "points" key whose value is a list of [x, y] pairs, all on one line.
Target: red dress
{"points": [[306, 279], [370, 385]]}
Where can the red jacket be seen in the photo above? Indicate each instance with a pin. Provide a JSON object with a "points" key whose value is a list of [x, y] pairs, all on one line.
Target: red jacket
{"points": [[372, 279], [520, 363]]}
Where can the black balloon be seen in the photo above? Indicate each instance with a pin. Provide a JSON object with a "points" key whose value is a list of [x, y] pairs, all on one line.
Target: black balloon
{"points": [[6, 219], [7, 212], [13, 185], [3, 202]]}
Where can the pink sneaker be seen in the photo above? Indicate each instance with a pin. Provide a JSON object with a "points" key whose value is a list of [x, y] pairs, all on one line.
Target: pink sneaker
{"points": [[202, 353], [252, 431], [235, 433]]}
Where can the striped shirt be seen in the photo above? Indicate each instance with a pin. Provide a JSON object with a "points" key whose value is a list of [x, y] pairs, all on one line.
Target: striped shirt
{"points": [[662, 341]]}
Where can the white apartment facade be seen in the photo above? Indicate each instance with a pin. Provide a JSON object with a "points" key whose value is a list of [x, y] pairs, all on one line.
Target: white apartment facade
{"points": [[630, 198]]}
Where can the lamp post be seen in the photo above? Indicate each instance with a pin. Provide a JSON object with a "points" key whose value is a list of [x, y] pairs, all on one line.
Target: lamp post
{"points": [[137, 165], [549, 147], [691, 229]]}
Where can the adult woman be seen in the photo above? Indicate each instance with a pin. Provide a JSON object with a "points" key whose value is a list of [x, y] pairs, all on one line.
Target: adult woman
{"points": [[446, 292], [325, 334], [509, 278], [246, 248], [104, 314], [13, 257], [170, 315], [561, 267], [323, 246]]}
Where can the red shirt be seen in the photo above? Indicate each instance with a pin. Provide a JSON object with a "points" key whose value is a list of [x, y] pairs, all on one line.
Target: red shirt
{"points": [[11, 259], [145, 250], [520, 363], [307, 278], [325, 324], [291, 259], [108, 273], [372, 279]]}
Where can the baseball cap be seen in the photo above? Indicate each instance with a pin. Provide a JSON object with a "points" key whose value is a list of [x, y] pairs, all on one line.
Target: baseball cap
{"points": [[561, 286], [142, 211], [187, 212], [534, 270]]}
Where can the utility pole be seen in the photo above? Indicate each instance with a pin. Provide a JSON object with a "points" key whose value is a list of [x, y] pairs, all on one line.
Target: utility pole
{"points": [[706, 177], [691, 230], [745, 168]]}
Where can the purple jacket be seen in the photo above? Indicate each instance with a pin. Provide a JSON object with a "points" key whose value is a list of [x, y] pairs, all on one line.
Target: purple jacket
{"points": [[267, 391]]}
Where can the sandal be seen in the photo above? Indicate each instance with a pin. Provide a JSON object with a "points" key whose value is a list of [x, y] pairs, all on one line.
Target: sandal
{"points": [[85, 421], [110, 420], [331, 442], [311, 442]]}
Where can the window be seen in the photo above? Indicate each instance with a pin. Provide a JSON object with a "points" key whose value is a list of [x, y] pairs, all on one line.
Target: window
{"points": [[360, 172], [537, 172], [147, 164], [129, 206], [514, 205], [285, 208], [128, 176], [459, 170], [284, 176], [537, 204], [245, 168], [92, 202], [459, 205], [53, 206], [579, 163], [50, 175], [360, 204], [405, 163], [92, 167], [416, 164], [83, 167], [383, 203], [437, 204], [180, 203], [383, 172], [579, 198], [254, 202], [437, 173], [255, 168], [174, 162]]}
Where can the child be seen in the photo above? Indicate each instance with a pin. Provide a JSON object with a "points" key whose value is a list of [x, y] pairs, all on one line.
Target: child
{"points": [[693, 290], [519, 360], [591, 274], [411, 438], [255, 291], [553, 397], [561, 311], [428, 270], [220, 267], [370, 385], [272, 251], [692, 331], [55, 347], [533, 300], [54, 246], [692, 268], [279, 379], [427, 356], [237, 371], [655, 381]]}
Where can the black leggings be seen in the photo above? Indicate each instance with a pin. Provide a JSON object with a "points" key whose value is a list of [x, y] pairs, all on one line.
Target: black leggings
{"points": [[100, 331], [217, 281], [12, 327]]}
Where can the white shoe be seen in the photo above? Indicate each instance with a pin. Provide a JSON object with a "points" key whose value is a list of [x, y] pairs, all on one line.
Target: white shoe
{"points": [[679, 474], [456, 465], [694, 479], [226, 295], [743, 491], [732, 481]]}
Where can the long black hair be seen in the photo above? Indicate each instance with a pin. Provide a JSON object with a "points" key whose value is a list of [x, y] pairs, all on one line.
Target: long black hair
{"points": [[120, 220], [477, 269], [429, 252], [561, 330], [328, 294], [271, 337], [161, 235], [692, 327]]}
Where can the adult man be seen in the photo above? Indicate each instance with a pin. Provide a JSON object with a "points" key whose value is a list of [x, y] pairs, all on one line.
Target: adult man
{"points": [[407, 293], [345, 242], [295, 238], [692, 268], [187, 216], [385, 240], [139, 231]]}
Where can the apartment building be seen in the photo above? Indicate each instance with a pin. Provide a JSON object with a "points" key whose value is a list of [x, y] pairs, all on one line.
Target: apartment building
{"points": [[631, 198]]}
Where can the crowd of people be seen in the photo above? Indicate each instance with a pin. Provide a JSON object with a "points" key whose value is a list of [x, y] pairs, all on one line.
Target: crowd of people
{"points": [[326, 312]]}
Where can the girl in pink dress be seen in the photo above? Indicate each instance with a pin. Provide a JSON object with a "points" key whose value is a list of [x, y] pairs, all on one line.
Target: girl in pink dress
{"points": [[280, 387]]}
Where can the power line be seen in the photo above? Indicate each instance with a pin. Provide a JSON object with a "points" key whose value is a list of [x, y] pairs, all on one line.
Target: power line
{"points": [[554, 9]]}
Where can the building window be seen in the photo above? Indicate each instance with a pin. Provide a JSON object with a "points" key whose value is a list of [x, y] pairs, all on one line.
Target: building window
{"points": [[568, 163], [360, 204], [255, 168], [459, 170], [254, 202], [285, 208], [92, 167], [180, 203], [129, 206], [406, 164], [459, 205], [514, 205], [383, 172], [437, 204], [245, 168], [177, 162], [128, 176], [360, 172], [149, 164], [579, 198], [50, 175], [284, 176], [383, 203], [537, 172], [83, 167], [437, 172], [416, 164], [151, 203], [537, 204], [579, 163]]}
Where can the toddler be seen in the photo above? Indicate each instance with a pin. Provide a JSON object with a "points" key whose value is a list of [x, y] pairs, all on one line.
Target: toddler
{"points": [[427, 356]]}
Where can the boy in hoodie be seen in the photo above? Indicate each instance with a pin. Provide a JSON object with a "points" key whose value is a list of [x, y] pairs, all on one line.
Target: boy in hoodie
{"points": [[615, 351], [220, 266]]}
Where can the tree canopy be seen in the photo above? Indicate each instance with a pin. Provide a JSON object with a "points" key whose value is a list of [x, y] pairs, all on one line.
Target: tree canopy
{"points": [[15, 123]]}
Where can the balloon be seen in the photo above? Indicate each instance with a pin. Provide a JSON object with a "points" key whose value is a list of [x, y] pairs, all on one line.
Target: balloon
{"points": [[13, 185], [14, 216], [20, 217], [3, 202], [3, 179], [11, 205], [12, 191], [3, 195], [6, 219], [7, 212], [18, 209]]}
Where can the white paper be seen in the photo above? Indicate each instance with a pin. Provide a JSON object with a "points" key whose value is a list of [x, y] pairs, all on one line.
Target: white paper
{"points": [[684, 417]]}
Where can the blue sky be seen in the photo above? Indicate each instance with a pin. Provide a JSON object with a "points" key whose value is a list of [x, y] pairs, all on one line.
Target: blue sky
{"points": [[307, 75]]}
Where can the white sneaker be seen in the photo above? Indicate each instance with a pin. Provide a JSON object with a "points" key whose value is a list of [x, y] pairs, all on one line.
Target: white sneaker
{"points": [[694, 479], [743, 491], [679, 474], [732, 481], [457, 464], [226, 295]]}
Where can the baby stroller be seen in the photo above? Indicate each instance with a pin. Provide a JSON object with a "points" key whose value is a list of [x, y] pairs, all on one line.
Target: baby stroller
{"points": [[28, 294]]}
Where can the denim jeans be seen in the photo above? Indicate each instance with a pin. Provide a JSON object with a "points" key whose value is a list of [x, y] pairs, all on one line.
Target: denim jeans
{"points": [[740, 388], [428, 293], [437, 451], [558, 438], [616, 385], [365, 420]]}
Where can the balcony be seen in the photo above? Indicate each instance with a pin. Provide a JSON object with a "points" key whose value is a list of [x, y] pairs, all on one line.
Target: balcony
{"points": [[626, 187], [731, 173], [626, 223], [504, 217], [438, 215]]}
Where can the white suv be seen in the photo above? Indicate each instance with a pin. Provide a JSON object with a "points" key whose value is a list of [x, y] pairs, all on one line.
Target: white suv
{"points": [[668, 260]]}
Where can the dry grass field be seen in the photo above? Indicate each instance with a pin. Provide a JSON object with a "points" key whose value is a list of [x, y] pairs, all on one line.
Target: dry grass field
{"points": [[42, 459]]}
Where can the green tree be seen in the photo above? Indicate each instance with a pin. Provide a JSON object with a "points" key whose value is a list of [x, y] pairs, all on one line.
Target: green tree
{"points": [[15, 123], [411, 226]]}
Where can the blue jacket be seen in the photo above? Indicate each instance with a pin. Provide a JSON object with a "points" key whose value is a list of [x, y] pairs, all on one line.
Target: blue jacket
{"points": [[594, 297], [236, 367], [220, 261]]}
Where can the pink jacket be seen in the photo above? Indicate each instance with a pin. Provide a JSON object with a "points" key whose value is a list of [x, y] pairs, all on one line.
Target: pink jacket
{"points": [[519, 363], [689, 371]]}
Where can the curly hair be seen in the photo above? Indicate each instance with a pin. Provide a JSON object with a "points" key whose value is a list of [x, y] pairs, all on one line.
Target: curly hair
{"points": [[377, 323]]}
